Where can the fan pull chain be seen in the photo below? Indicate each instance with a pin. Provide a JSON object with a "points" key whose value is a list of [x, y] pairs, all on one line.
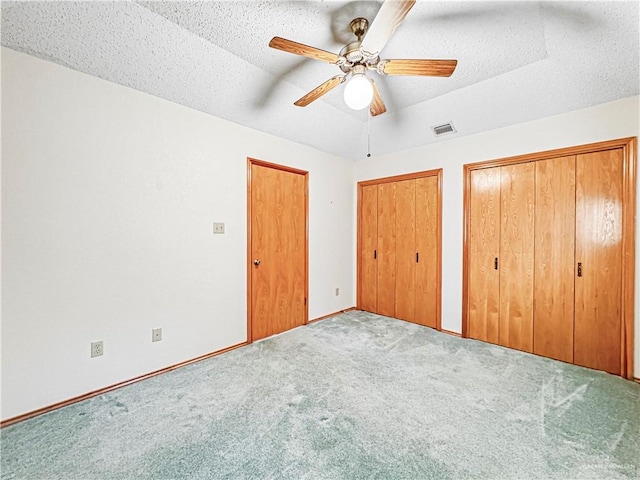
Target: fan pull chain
{"points": [[369, 133]]}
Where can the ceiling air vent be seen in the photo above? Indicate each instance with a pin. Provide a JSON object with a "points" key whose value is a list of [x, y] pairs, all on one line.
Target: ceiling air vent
{"points": [[443, 129]]}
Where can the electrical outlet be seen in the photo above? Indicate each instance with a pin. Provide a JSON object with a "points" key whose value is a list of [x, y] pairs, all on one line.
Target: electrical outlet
{"points": [[337, 291], [97, 349], [156, 334], [218, 227]]}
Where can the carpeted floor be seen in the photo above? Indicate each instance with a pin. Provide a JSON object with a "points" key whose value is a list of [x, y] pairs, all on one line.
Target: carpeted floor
{"points": [[356, 396]]}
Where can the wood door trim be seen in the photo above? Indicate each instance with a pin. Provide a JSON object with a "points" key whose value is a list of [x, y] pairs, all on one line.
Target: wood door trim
{"points": [[629, 155], [629, 158], [284, 168], [255, 161], [358, 243], [359, 249], [466, 234], [437, 172], [561, 152], [439, 265], [398, 178]]}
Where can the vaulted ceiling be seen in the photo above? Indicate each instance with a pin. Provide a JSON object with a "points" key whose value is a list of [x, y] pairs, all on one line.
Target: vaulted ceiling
{"points": [[517, 61]]}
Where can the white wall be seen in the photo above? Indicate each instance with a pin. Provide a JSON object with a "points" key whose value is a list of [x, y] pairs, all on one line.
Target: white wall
{"points": [[108, 199], [608, 121]]}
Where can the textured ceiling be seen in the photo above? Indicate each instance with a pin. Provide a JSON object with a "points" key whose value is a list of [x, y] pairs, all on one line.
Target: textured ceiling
{"points": [[517, 61]]}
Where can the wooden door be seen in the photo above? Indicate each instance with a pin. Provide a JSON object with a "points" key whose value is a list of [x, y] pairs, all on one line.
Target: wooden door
{"points": [[368, 288], [278, 216], [554, 258], [386, 249], [405, 233], [598, 284], [517, 195], [427, 290], [484, 249]]}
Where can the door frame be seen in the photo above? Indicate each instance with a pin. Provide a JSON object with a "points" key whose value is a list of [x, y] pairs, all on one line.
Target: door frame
{"points": [[629, 159], [397, 178], [262, 163]]}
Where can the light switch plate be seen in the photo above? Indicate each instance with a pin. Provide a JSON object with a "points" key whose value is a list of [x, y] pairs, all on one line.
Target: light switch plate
{"points": [[218, 227]]}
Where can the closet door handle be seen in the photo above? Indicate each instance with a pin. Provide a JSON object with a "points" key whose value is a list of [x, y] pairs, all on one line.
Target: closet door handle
{"points": [[375, 254], [417, 257], [579, 269], [495, 263]]}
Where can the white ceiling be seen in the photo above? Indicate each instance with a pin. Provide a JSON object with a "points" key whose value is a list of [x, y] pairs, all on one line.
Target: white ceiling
{"points": [[517, 61]]}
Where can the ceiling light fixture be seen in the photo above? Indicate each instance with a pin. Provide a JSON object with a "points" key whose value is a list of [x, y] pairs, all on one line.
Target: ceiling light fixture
{"points": [[358, 92]]}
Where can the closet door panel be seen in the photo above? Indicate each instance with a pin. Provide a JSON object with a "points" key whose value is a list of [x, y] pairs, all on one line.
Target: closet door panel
{"points": [[599, 251], [386, 249], [554, 258], [369, 244], [405, 249], [484, 247], [517, 201], [427, 291]]}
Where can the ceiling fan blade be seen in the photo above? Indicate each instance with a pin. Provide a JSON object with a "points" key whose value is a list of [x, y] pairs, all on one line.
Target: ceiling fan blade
{"points": [[300, 49], [427, 68], [320, 90], [377, 105], [389, 17]]}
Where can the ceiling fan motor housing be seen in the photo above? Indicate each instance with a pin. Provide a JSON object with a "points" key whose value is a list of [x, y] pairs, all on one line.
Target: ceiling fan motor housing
{"points": [[353, 55], [352, 52]]}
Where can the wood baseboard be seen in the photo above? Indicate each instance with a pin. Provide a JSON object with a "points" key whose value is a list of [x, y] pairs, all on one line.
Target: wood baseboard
{"points": [[86, 396], [636, 379], [331, 315], [79, 398], [455, 334]]}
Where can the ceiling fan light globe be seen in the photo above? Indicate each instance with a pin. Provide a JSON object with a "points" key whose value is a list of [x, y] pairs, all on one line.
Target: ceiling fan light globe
{"points": [[358, 92]]}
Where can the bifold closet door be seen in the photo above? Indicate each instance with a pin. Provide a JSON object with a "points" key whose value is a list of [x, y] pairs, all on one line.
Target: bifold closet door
{"points": [[484, 249], [427, 241], [386, 275], [368, 249], [405, 232], [517, 195], [598, 281], [554, 258]]}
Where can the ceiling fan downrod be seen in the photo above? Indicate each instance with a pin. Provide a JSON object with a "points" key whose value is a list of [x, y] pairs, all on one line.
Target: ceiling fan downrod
{"points": [[359, 27]]}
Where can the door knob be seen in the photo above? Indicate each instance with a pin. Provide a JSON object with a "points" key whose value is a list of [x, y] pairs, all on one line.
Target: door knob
{"points": [[256, 262]]}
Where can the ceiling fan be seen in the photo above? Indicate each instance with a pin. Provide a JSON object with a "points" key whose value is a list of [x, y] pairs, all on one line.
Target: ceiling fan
{"points": [[362, 55]]}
